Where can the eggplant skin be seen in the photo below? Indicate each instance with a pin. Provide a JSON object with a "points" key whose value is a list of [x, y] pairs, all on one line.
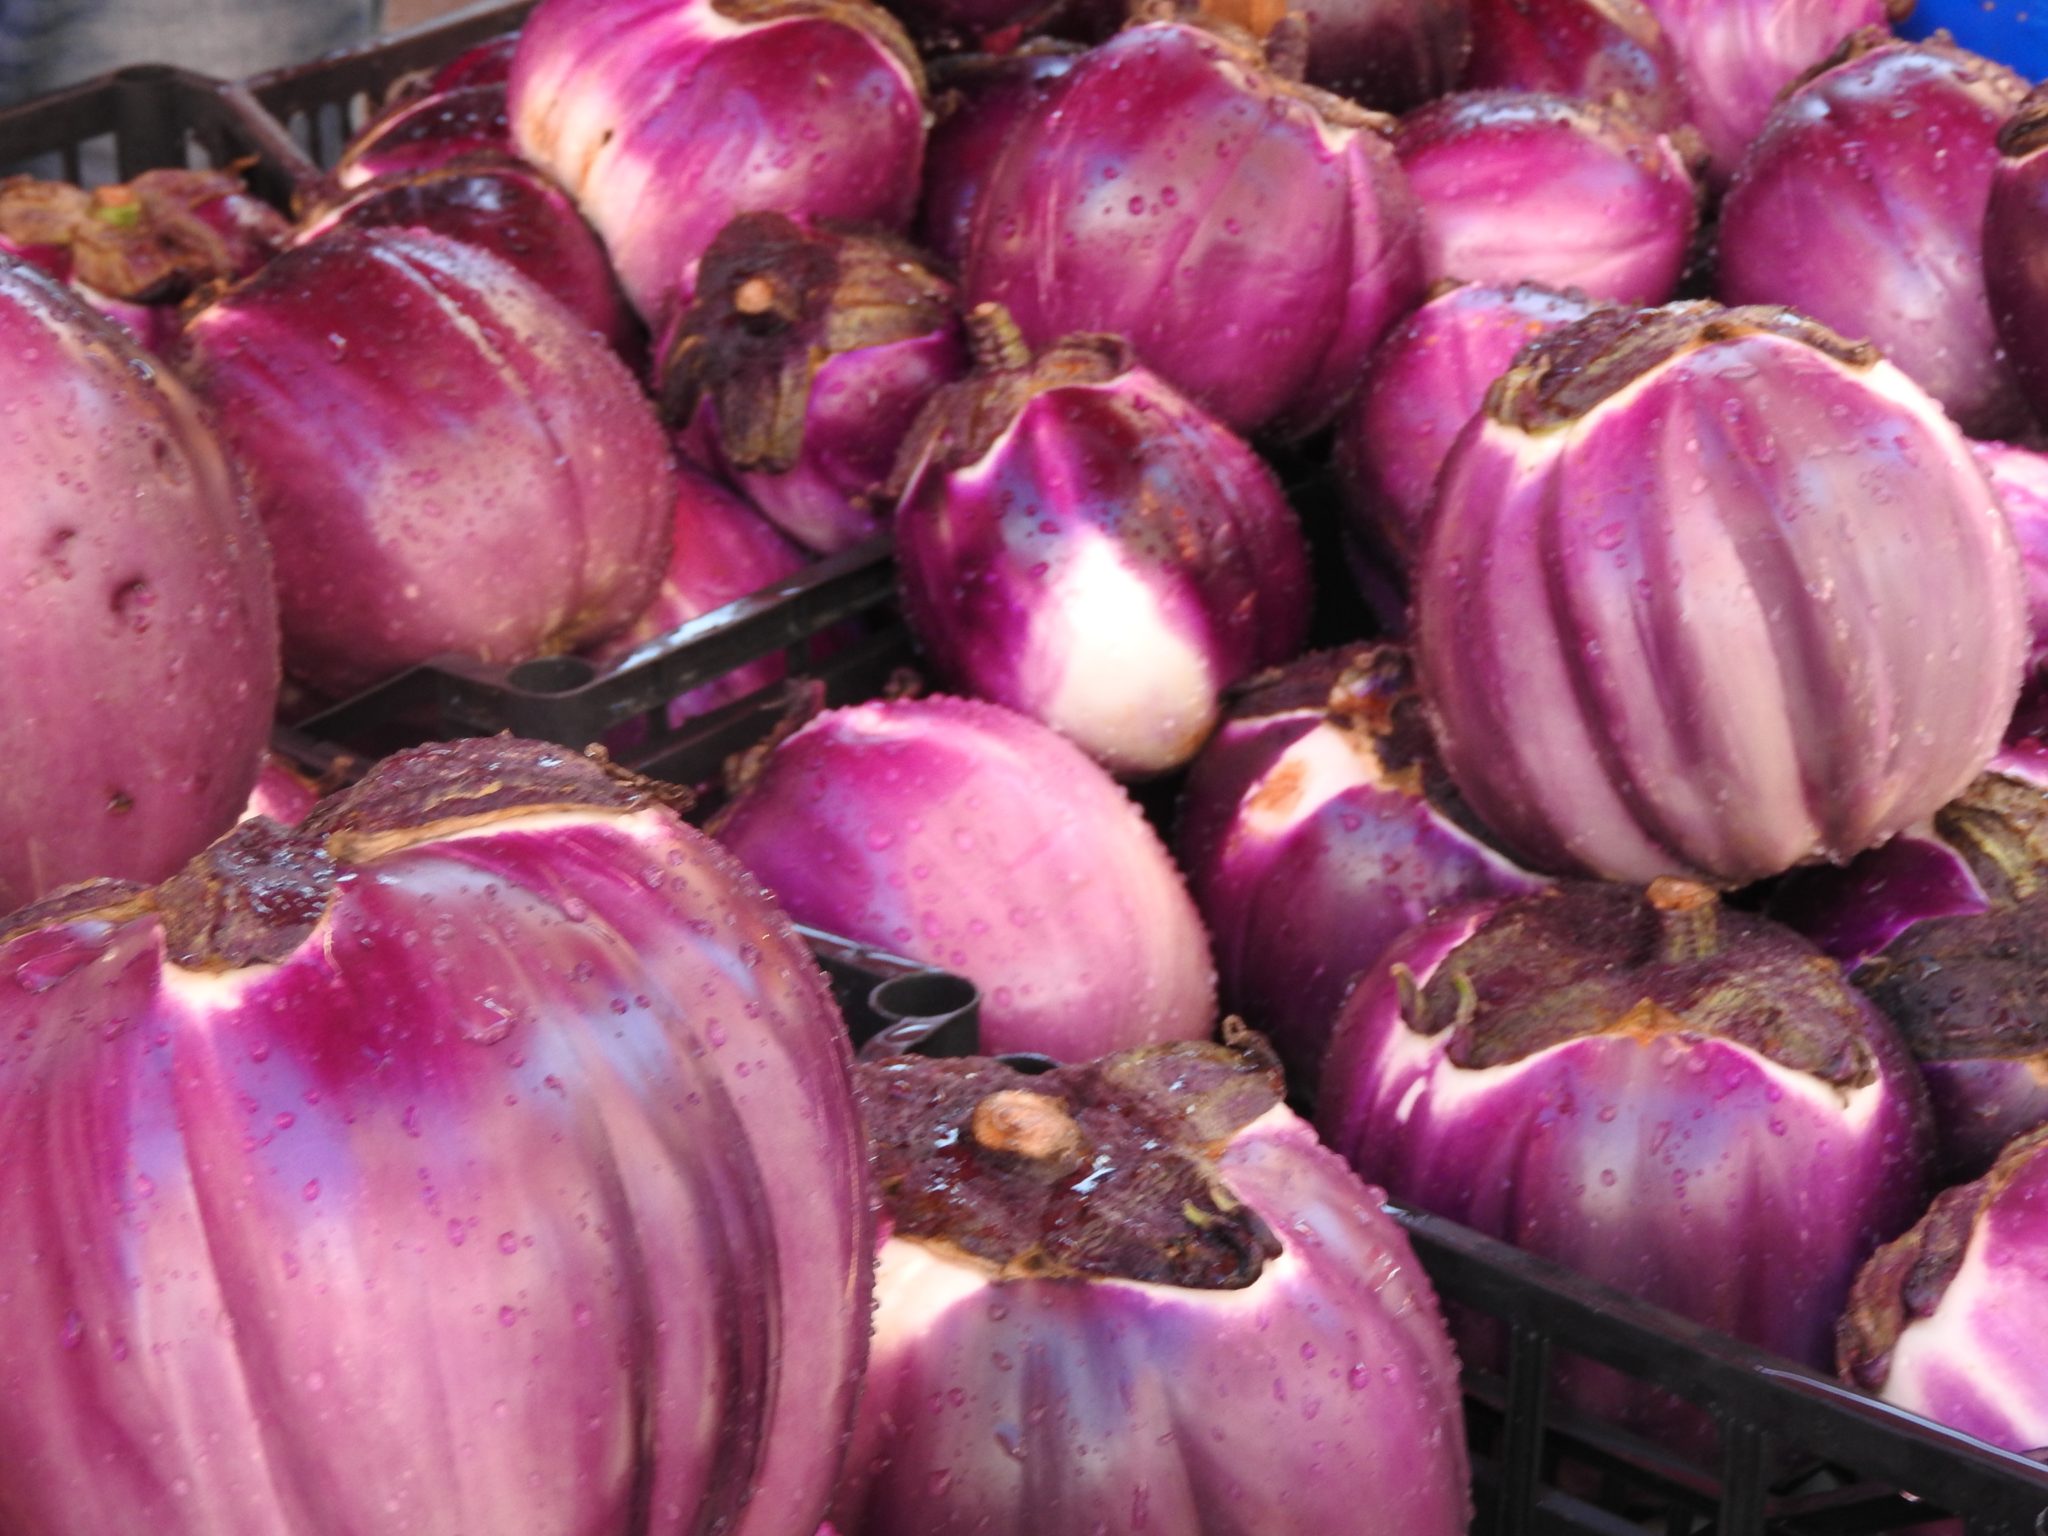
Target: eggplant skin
{"points": [[480, 1156], [1322, 1397], [1728, 1135], [1944, 1322], [140, 633], [1712, 593]]}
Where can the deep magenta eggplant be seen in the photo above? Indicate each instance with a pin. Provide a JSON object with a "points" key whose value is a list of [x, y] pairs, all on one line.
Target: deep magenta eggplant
{"points": [[1079, 542], [967, 836], [137, 250], [802, 363], [1251, 237], [2016, 247], [978, 100], [1612, 51], [723, 549], [1713, 592], [1737, 56], [666, 118], [1686, 1102], [480, 1156], [421, 132], [1943, 1322], [1945, 927], [1862, 205], [140, 629], [1427, 380], [444, 458], [1136, 1294], [509, 209], [1521, 186], [1316, 828]]}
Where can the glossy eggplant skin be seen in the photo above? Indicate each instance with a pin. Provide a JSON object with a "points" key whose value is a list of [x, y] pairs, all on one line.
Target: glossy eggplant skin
{"points": [[1108, 562], [1254, 276], [1713, 593], [1862, 204], [480, 1156], [1300, 1382], [444, 457], [971, 837], [1691, 1105], [140, 631], [666, 120]]}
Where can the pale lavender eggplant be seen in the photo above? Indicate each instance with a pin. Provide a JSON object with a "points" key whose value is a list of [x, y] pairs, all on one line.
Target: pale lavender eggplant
{"points": [[1427, 379], [1079, 542], [1596, 50], [444, 458], [1682, 1101], [724, 549], [1943, 1322], [1254, 277], [509, 209], [1945, 927], [802, 364], [2019, 476], [1862, 204], [1316, 829], [140, 627], [2016, 247], [1520, 186], [978, 100], [967, 836], [666, 118], [1713, 592], [1737, 56], [281, 792], [479, 1157], [1317, 1393], [422, 132]]}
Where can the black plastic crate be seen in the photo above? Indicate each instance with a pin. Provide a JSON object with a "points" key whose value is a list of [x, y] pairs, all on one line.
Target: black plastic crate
{"points": [[565, 699], [321, 104], [142, 118]]}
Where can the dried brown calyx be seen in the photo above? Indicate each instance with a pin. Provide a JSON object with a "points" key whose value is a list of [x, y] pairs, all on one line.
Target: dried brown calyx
{"points": [[1563, 376], [2027, 129], [774, 301], [1975, 987], [1584, 960], [1369, 693], [962, 420], [260, 889], [1102, 1170], [151, 240], [1906, 1279]]}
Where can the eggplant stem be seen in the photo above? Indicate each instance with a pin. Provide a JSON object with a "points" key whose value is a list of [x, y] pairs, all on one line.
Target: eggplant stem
{"points": [[1026, 1124], [997, 344], [1688, 919]]}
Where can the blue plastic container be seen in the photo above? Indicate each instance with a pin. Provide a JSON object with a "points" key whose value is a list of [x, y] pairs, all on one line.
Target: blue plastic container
{"points": [[2015, 32]]}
